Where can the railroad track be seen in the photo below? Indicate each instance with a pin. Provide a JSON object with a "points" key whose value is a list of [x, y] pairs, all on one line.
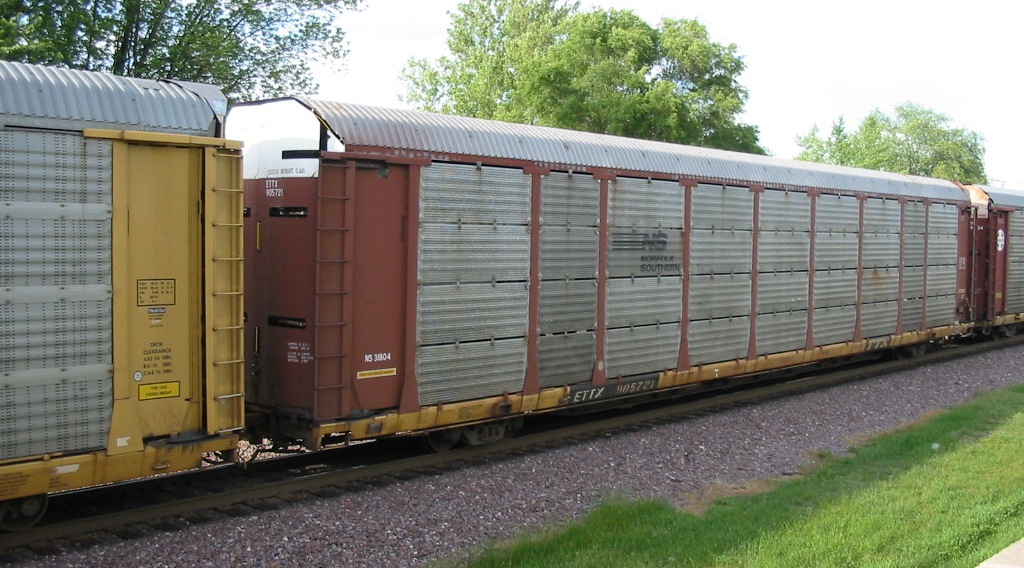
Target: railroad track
{"points": [[239, 492]]}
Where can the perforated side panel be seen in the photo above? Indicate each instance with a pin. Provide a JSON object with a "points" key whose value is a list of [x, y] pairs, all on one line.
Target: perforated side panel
{"points": [[474, 267], [569, 243], [55, 293], [1015, 267]]}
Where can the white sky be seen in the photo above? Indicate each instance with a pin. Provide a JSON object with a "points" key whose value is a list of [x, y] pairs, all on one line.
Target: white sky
{"points": [[808, 61]]}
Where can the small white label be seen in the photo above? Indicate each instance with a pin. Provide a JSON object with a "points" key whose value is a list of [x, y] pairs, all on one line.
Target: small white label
{"points": [[122, 442], [62, 469], [137, 376]]}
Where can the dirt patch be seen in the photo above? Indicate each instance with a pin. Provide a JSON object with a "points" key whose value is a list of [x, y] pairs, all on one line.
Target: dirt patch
{"points": [[703, 498]]}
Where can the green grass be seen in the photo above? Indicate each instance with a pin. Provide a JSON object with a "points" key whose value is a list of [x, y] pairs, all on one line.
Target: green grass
{"points": [[947, 492]]}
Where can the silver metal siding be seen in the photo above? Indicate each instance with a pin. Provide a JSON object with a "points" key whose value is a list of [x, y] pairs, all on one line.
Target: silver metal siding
{"points": [[474, 266], [878, 319], [645, 203], [881, 216], [943, 218], [880, 284], [941, 310], [783, 250], [881, 250], [914, 212], [453, 193], [913, 249], [942, 280], [913, 281], [719, 296], [781, 292], [40, 415], [570, 200], [942, 248], [834, 324], [566, 358], [56, 326], [715, 340], [913, 312], [835, 251], [781, 331], [785, 211], [644, 301], [722, 207], [568, 252], [451, 313], [837, 213], [418, 131], [36, 96], [567, 306], [636, 350], [453, 372], [473, 253], [835, 288], [720, 251], [1015, 267]]}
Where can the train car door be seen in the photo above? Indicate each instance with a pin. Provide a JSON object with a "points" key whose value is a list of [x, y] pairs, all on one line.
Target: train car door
{"points": [[997, 264], [979, 259], [363, 218]]}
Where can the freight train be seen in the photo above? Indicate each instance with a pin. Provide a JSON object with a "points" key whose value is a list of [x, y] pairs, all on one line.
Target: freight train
{"points": [[376, 272]]}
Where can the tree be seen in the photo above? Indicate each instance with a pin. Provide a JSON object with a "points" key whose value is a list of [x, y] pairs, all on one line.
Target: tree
{"points": [[249, 48], [488, 40], [543, 62], [915, 141]]}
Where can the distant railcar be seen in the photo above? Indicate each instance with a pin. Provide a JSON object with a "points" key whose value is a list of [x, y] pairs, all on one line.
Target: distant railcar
{"points": [[412, 272], [121, 282], [995, 259]]}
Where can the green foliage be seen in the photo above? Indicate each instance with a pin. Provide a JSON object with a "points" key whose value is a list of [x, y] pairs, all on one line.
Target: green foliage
{"points": [[915, 141], [249, 48], [544, 62]]}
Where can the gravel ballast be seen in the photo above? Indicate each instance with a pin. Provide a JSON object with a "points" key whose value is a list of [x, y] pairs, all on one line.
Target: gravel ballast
{"points": [[450, 515]]}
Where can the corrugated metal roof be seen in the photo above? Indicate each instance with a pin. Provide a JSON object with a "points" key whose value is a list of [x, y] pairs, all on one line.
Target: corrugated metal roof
{"points": [[1005, 197], [438, 133], [37, 96]]}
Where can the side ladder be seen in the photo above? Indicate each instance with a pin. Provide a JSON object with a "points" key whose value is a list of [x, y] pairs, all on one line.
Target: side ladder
{"points": [[223, 286], [333, 281]]}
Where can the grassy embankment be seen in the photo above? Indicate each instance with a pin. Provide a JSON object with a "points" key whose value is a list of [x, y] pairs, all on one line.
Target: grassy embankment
{"points": [[946, 492]]}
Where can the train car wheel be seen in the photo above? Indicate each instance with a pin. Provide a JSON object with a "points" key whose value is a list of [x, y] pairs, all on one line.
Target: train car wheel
{"points": [[442, 440], [911, 351], [21, 514]]}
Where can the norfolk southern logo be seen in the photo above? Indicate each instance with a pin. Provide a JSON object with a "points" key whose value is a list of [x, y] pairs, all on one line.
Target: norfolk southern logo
{"points": [[639, 241], [654, 256]]}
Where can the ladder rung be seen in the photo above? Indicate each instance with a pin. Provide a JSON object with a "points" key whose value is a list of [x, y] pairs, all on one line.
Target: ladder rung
{"points": [[232, 362], [228, 225], [228, 327], [228, 189], [215, 294], [233, 395]]}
